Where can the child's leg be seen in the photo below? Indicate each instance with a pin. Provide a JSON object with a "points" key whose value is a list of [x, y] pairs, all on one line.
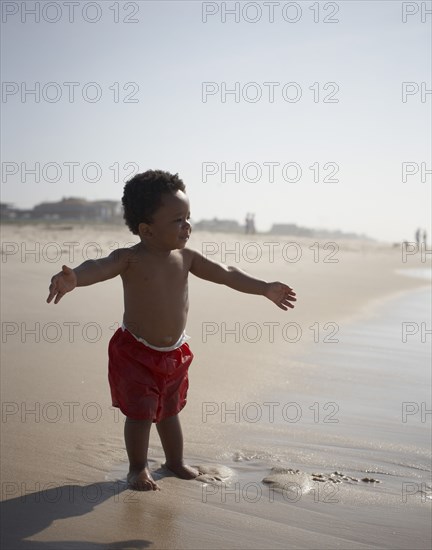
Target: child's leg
{"points": [[171, 436], [137, 433]]}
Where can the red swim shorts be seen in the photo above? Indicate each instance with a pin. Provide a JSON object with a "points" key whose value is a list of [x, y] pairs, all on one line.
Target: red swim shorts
{"points": [[147, 384]]}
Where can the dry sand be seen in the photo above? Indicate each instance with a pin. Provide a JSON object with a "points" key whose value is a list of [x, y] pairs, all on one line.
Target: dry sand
{"points": [[63, 457]]}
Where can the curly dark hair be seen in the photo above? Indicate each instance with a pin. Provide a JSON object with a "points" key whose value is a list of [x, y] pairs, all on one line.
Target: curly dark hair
{"points": [[142, 196]]}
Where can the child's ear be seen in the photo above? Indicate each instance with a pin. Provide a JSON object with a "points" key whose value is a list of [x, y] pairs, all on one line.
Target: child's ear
{"points": [[144, 230]]}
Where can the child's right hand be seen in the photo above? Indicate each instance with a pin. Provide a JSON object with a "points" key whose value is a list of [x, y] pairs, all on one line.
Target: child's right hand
{"points": [[63, 282]]}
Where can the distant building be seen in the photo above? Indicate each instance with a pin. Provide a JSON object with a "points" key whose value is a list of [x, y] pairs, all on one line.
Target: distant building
{"points": [[71, 209], [9, 213], [77, 209], [290, 229], [223, 226], [6, 211], [338, 234]]}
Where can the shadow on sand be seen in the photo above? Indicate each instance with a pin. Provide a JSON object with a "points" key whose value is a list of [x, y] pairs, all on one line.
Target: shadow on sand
{"points": [[30, 513]]}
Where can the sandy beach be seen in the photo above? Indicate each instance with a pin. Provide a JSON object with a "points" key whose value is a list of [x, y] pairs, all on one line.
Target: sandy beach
{"points": [[310, 427]]}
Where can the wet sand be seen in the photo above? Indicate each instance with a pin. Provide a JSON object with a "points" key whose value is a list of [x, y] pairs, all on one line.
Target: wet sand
{"points": [[265, 386]]}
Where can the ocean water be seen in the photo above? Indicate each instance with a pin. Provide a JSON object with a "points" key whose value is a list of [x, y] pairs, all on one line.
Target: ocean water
{"points": [[367, 407]]}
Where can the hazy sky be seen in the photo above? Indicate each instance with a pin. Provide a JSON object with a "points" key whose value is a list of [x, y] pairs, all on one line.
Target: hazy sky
{"points": [[319, 89]]}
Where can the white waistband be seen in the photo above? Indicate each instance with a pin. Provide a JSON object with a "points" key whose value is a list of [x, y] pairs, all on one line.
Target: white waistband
{"points": [[178, 344]]}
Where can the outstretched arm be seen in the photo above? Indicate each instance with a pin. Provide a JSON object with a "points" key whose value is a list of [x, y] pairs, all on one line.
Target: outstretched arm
{"points": [[279, 293], [88, 273]]}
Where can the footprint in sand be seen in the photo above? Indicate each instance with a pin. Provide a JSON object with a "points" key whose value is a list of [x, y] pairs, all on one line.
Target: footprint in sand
{"points": [[289, 480], [213, 473], [286, 478]]}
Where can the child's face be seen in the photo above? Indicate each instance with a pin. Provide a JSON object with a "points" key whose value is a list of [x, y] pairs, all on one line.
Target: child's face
{"points": [[170, 228]]}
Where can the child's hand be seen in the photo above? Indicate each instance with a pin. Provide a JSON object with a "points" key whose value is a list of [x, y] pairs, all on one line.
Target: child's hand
{"points": [[63, 282], [282, 295]]}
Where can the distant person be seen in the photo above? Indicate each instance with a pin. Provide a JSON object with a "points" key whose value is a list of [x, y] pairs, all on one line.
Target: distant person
{"points": [[252, 224], [247, 223], [149, 357], [417, 236], [425, 237]]}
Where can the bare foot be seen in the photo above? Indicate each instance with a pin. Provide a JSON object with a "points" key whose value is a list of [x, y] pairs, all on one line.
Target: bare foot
{"points": [[182, 471], [142, 480]]}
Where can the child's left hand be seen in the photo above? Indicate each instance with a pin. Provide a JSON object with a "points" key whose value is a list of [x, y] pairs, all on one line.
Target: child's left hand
{"points": [[282, 295]]}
